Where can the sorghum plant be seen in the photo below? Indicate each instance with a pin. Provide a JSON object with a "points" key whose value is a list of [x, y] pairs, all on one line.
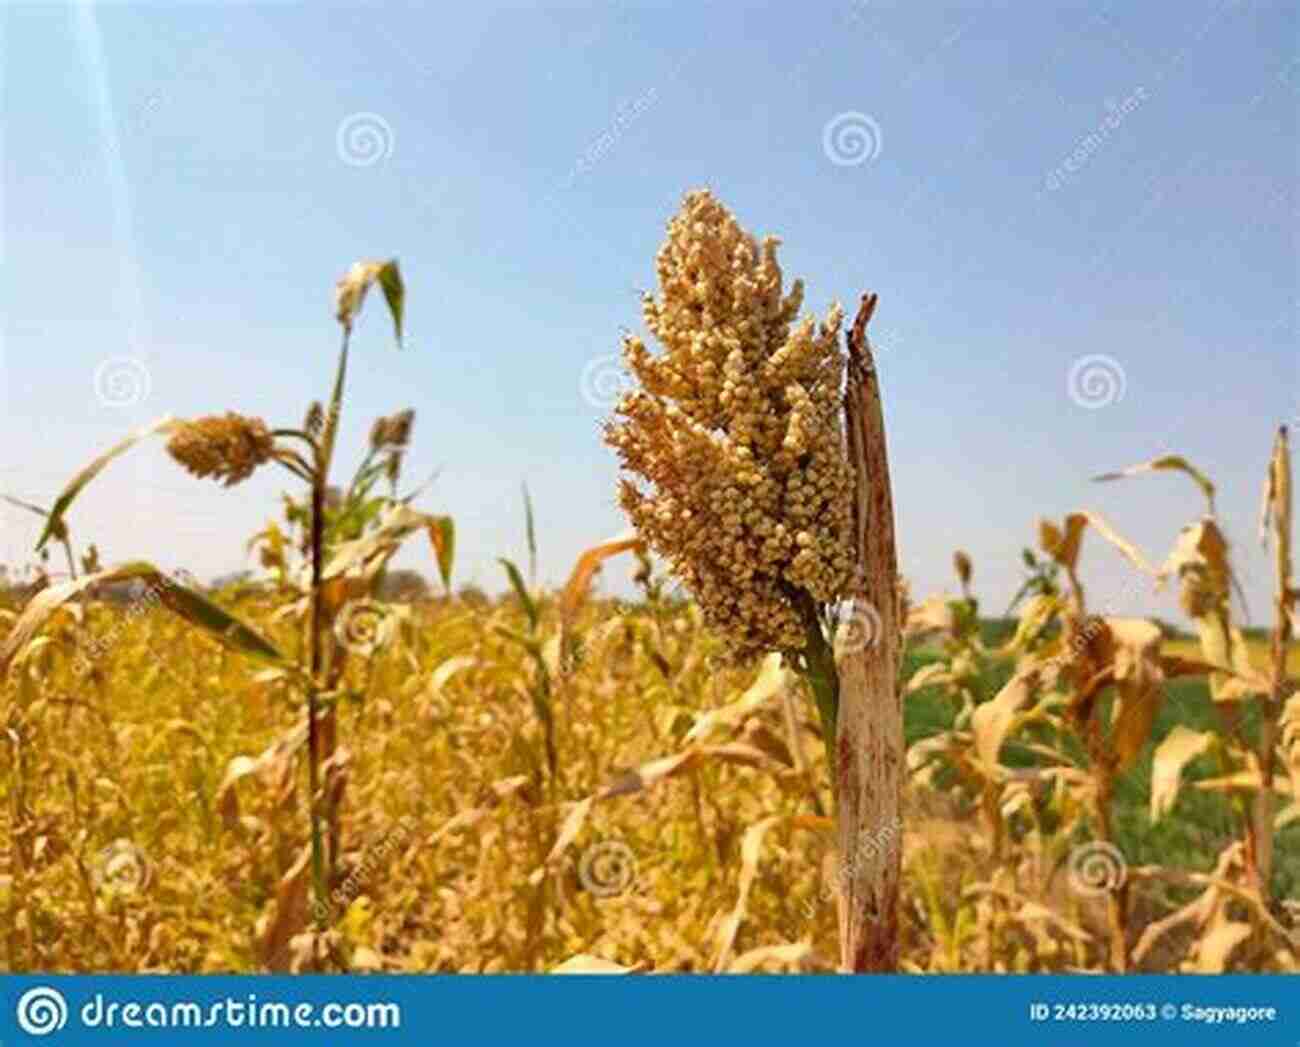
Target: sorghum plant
{"points": [[768, 495], [349, 539]]}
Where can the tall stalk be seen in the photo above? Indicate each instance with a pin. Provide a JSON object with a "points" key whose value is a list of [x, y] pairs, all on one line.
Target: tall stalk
{"points": [[1278, 510], [313, 695], [869, 756], [315, 740]]}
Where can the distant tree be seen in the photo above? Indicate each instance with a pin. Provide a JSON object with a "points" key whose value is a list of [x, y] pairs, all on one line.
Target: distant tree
{"points": [[234, 578], [403, 586], [472, 596]]}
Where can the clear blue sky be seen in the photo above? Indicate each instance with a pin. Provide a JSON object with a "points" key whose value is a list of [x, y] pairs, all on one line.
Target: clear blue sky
{"points": [[1038, 183]]}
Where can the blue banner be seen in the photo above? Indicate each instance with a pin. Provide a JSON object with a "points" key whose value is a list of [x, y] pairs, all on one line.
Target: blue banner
{"points": [[514, 1009]]}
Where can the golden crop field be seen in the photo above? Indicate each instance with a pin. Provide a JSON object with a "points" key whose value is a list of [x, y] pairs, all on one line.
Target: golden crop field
{"points": [[299, 773], [136, 850]]}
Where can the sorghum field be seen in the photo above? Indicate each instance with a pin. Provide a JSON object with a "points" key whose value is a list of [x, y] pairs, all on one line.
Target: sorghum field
{"points": [[313, 770]]}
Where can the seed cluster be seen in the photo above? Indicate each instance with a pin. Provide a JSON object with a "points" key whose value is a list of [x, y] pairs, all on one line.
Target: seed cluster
{"points": [[734, 439], [392, 430], [314, 422], [227, 448]]}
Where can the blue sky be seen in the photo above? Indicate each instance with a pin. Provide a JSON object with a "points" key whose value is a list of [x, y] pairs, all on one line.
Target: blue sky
{"points": [[1025, 185]]}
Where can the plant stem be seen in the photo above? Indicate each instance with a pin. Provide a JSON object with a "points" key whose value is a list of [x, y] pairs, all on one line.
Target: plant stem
{"points": [[1116, 899], [869, 754], [1272, 703], [72, 563], [320, 479], [313, 698], [820, 672]]}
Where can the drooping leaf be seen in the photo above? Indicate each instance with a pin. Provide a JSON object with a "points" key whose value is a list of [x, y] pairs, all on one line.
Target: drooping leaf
{"points": [[773, 677], [1181, 746], [447, 670], [371, 551], [1247, 781], [350, 292], [442, 536], [166, 424], [931, 675], [1168, 461], [569, 830], [933, 614], [178, 598], [1036, 614], [993, 720], [59, 531], [1216, 946], [1138, 682], [390, 279], [1200, 561], [292, 911], [275, 762], [750, 850], [1062, 544], [19, 503], [579, 583], [647, 776], [199, 610]]}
